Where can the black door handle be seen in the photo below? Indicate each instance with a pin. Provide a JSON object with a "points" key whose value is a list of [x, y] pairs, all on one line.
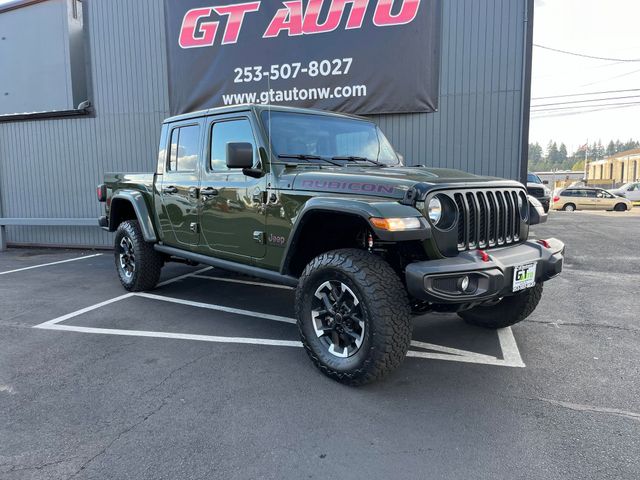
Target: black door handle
{"points": [[169, 190], [209, 192]]}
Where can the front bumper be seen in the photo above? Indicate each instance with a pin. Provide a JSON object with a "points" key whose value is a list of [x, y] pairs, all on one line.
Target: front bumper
{"points": [[438, 281]]}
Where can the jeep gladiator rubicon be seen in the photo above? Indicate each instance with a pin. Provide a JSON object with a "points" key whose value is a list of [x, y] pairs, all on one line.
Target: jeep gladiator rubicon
{"points": [[321, 202]]}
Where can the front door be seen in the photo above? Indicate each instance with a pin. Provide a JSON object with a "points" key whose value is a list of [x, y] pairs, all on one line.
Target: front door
{"points": [[179, 185], [232, 211]]}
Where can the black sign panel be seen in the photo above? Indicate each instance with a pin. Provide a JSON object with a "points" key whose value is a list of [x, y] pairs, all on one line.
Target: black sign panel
{"points": [[357, 56]]}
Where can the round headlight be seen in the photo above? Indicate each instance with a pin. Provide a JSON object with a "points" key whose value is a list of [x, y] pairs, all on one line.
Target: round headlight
{"points": [[435, 210]]}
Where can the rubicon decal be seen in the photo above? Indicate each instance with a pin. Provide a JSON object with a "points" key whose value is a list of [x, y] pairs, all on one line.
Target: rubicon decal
{"points": [[200, 26], [347, 186]]}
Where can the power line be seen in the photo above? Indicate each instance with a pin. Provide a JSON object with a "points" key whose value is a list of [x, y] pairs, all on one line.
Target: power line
{"points": [[568, 114], [610, 78], [589, 93], [575, 107], [593, 57], [626, 97]]}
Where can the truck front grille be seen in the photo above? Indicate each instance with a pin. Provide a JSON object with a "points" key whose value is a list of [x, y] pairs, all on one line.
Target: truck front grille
{"points": [[487, 218]]}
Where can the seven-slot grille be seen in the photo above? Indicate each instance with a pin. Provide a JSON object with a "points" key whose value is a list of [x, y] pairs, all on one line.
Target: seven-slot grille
{"points": [[487, 218]]}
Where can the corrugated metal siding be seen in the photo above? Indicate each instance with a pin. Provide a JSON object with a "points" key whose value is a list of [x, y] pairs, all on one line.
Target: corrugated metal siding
{"points": [[49, 168], [477, 126]]}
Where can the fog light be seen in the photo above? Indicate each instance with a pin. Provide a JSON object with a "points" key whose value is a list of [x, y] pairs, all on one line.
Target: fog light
{"points": [[463, 283]]}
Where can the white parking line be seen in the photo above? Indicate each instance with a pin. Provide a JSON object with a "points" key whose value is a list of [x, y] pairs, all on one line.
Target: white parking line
{"points": [[510, 353], [52, 263], [245, 282], [180, 277], [221, 308], [177, 336]]}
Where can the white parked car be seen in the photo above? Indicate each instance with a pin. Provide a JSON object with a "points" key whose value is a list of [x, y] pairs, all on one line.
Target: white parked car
{"points": [[630, 191]]}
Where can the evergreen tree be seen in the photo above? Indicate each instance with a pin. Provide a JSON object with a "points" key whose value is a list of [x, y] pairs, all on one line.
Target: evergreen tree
{"points": [[611, 149]]}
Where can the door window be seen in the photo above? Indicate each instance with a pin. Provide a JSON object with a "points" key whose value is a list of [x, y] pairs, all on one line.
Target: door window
{"points": [[228, 132], [185, 143], [589, 193]]}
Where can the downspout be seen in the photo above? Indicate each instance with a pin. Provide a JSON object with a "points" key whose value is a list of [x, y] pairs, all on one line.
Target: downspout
{"points": [[526, 89]]}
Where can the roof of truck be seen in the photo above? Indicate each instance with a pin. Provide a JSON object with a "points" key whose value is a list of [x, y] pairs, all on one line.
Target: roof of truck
{"points": [[257, 109]]}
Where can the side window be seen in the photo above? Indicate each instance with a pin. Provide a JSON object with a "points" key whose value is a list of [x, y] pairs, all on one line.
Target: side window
{"points": [[589, 193], [185, 144], [224, 132]]}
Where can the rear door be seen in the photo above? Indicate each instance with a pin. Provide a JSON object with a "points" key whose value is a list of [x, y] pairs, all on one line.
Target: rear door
{"points": [[232, 212], [180, 182], [588, 200]]}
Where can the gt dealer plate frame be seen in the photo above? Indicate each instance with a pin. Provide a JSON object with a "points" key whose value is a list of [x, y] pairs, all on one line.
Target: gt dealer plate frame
{"points": [[524, 276]]}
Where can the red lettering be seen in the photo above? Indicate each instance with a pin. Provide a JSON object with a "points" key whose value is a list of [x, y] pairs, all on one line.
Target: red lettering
{"points": [[383, 18], [235, 18], [312, 13], [202, 37], [287, 19]]}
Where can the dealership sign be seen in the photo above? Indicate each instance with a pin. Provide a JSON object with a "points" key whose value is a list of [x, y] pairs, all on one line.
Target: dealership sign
{"points": [[358, 56]]}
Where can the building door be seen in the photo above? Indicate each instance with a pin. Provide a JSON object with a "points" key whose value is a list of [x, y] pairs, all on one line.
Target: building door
{"points": [[179, 185], [232, 212]]}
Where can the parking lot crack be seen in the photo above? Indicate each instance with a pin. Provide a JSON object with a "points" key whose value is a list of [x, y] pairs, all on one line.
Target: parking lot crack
{"points": [[578, 407], [176, 370], [145, 417], [21, 468], [586, 325]]}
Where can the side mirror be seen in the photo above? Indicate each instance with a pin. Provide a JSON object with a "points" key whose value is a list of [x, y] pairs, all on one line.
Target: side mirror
{"points": [[537, 214], [400, 157], [239, 155], [545, 182]]}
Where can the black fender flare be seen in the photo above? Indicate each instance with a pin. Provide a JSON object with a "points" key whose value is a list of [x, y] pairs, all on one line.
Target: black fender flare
{"points": [[136, 199], [364, 209]]}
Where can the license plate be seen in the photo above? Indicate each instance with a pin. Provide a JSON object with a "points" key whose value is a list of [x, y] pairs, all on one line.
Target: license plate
{"points": [[524, 276]]}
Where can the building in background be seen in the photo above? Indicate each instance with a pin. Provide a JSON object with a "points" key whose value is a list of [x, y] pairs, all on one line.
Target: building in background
{"points": [[84, 90], [616, 170]]}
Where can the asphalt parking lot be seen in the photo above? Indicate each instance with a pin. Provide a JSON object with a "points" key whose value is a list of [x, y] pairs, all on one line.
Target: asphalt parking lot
{"points": [[204, 378]]}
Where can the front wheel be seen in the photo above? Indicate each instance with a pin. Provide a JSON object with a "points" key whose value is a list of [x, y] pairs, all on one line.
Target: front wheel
{"points": [[353, 316], [137, 263], [621, 207], [507, 312]]}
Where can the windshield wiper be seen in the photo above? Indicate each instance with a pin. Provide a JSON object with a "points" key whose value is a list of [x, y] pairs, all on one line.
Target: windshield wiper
{"points": [[352, 158], [304, 156]]}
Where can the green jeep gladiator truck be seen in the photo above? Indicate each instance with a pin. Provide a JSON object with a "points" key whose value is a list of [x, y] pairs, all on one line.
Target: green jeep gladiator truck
{"points": [[321, 201]]}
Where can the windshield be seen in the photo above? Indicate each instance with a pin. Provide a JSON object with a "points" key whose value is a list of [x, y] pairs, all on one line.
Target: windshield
{"points": [[303, 134], [533, 178]]}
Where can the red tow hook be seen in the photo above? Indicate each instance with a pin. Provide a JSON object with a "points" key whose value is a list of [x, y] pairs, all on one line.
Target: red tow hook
{"points": [[484, 256], [544, 243]]}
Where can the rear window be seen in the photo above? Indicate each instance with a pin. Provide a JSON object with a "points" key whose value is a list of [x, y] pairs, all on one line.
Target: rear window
{"points": [[571, 193]]}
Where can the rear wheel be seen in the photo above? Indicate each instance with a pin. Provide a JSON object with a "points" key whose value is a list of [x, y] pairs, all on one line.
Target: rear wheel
{"points": [[569, 207], [353, 316], [620, 207], [137, 263], [507, 312]]}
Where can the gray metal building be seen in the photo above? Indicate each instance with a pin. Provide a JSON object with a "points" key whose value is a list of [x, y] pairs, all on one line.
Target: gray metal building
{"points": [[113, 55]]}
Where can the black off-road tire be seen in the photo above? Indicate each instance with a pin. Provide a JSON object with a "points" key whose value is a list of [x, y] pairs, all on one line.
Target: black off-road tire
{"points": [[148, 262], [507, 312], [384, 305], [620, 207]]}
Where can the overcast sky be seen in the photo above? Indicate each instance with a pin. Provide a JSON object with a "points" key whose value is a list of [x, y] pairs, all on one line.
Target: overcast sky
{"points": [[602, 28]]}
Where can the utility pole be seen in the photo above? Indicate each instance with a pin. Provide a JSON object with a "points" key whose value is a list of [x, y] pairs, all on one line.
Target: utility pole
{"points": [[586, 161]]}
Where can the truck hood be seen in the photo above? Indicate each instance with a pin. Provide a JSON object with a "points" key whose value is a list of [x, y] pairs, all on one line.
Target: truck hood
{"points": [[386, 182]]}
